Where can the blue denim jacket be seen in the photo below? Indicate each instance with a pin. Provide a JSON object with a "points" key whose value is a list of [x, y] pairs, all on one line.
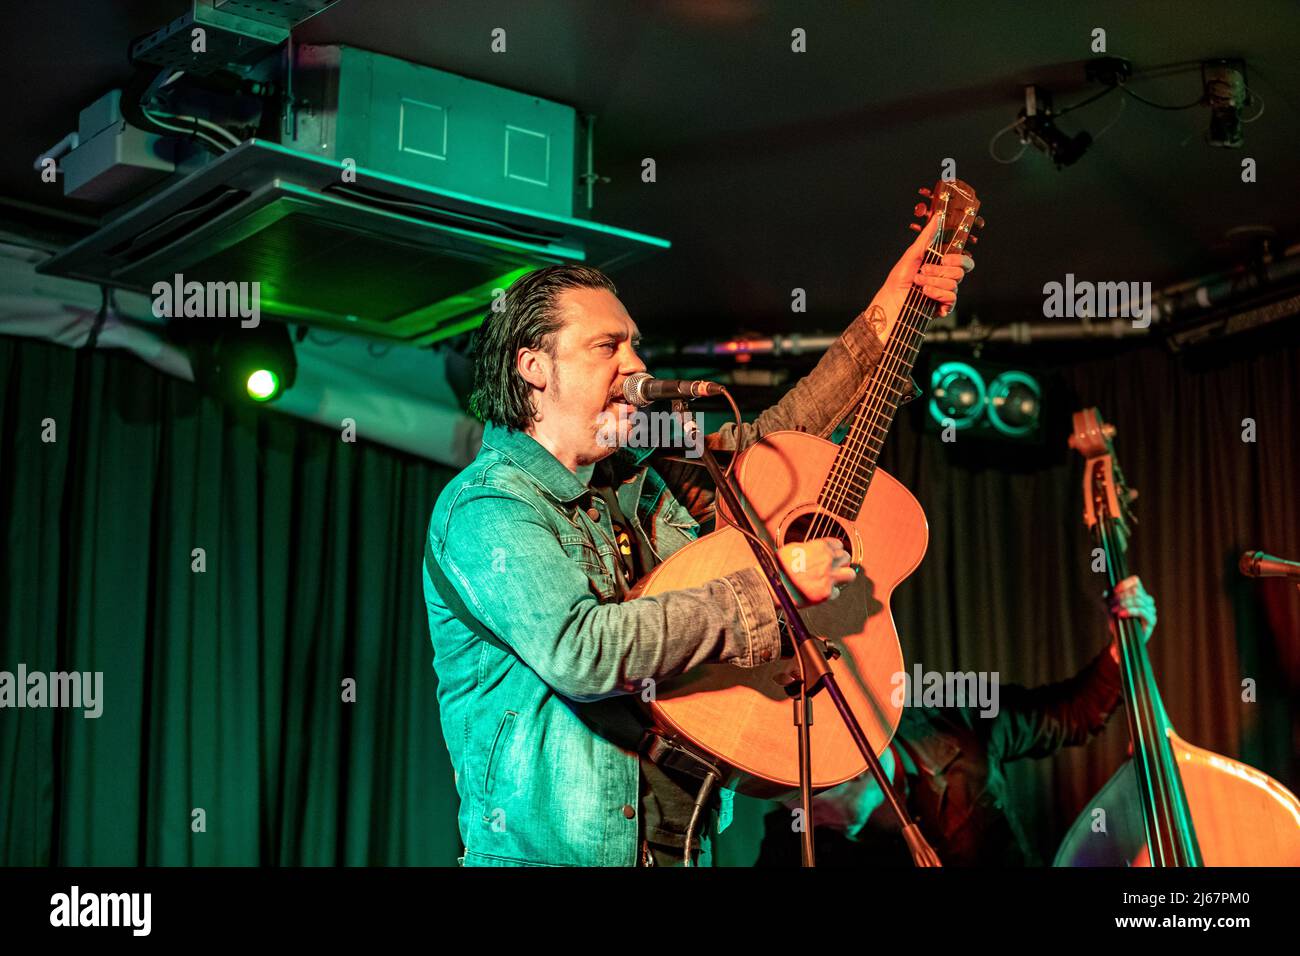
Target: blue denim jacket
{"points": [[537, 655]]}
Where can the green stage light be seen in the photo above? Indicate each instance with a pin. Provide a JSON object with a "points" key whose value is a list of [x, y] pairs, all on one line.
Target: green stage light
{"points": [[987, 401], [263, 385], [957, 394], [1015, 401], [237, 364]]}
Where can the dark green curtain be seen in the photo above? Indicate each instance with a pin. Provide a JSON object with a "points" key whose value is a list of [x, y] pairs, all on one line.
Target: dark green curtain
{"points": [[223, 689], [1006, 584]]}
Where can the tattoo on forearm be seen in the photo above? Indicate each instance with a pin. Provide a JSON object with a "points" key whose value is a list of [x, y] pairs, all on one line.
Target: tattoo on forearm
{"points": [[876, 319]]}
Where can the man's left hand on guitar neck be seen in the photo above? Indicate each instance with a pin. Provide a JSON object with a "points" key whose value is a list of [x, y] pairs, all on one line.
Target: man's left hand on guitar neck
{"points": [[938, 282]]}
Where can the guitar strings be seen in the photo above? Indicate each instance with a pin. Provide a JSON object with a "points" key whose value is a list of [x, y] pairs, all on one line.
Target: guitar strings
{"points": [[869, 420], [868, 428], [865, 419], [910, 338]]}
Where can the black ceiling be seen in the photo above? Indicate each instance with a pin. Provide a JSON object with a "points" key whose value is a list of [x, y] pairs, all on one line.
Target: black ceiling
{"points": [[779, 170]]}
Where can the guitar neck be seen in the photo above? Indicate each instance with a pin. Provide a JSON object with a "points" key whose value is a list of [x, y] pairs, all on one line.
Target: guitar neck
{"points": [[850, 477]]}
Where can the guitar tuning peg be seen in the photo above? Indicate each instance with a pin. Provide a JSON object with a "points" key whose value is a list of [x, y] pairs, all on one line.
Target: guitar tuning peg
{"points": [[915, 227], [979, 222], [924, 191], [973, 239], [920, 209], [1132, 494]]}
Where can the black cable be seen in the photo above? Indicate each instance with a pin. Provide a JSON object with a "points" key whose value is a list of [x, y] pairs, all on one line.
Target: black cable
{"points": [[1159, 106], [132, 105], [735, 410], [706, 787], [1091, 99], [771, 551], [105, 303]]}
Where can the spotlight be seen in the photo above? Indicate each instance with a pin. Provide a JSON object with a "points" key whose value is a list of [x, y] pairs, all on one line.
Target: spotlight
{"points": [[1224, 82], [238, 364], [1037, 128], [984, 400], [1015, 401], [263, 385], [956, 394]]}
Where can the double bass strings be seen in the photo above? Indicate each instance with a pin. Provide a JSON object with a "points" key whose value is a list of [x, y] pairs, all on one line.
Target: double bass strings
{"points": [[1167, 812]]}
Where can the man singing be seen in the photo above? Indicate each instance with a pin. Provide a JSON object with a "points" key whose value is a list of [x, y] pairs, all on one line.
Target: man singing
{"points": [[532, 547]]}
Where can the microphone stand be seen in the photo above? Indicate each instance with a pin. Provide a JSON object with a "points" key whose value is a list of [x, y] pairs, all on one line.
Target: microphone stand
{"points": [[815, 673]]}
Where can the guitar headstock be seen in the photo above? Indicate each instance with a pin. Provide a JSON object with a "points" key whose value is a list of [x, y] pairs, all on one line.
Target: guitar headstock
{"points": [[957, 207], [1106, 497]]}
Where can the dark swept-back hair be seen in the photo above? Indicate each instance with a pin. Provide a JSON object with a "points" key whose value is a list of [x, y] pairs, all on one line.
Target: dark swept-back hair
{"points": [[529, 320]]}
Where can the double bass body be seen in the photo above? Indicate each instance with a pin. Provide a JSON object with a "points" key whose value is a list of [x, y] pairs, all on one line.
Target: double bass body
{"points": [[1172, 803], [1243, 817]]}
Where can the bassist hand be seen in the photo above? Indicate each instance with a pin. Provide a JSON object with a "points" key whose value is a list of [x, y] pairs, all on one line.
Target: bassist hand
{"points": [[1130, 599]]}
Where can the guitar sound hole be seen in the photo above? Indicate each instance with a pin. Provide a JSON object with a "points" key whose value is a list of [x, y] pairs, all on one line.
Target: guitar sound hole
{"points": [[817, 525]]}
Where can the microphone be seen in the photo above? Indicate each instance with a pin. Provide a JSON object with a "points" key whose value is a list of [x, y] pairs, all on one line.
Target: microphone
{"points": [[642, 388], [1257, 564]]}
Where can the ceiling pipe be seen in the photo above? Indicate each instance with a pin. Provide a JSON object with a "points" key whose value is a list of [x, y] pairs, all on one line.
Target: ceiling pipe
{"points": [[1181, 301]]}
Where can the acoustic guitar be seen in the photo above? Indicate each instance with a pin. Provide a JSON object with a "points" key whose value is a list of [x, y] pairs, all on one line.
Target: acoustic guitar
{"points": [[1173, 803], [799, 487]]}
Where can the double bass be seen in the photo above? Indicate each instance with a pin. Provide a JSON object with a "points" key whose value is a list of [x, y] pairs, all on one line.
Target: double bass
{"points": [[1172, 803], [798, 487]]}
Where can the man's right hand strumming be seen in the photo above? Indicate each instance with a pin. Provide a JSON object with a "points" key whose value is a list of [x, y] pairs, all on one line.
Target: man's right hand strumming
{"points": [[817, 569]]}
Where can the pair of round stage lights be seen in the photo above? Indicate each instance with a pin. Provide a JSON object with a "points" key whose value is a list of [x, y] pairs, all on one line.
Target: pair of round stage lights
{"points": [[1012, 402]]}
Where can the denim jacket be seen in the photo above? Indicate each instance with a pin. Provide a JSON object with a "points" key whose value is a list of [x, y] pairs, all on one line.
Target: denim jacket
{"points": [[536, 654]]}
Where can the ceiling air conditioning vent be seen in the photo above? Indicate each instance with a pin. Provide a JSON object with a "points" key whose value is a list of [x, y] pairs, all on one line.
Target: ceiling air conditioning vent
{"points": [[382, 256]]}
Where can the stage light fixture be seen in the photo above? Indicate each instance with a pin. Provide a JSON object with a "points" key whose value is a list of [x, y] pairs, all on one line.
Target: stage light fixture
{"points": [[956, 394], [1224, 84], [984, 400], [1014, 403], [240, 365], [1038, 128]]}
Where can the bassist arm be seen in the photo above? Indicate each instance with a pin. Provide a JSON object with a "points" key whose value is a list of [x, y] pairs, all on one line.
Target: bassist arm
{"points": [[1039, 721]]}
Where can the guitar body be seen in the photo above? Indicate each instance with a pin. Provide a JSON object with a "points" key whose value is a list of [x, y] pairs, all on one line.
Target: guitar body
{"points": [[743, 718], [1243, 816]]}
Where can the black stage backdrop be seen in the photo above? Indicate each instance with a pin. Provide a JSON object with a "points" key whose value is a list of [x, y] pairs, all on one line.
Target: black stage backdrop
{"points": [[223, 689]]}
